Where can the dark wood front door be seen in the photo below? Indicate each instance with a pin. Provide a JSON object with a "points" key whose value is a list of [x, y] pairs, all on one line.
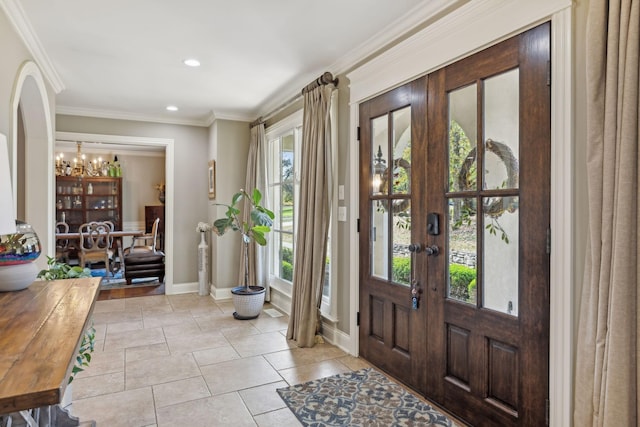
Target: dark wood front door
{"points": [[392, 334], [478, 209]]}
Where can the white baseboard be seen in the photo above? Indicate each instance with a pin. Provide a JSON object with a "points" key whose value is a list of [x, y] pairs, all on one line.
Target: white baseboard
{"points": [[336, 337], [184, 288], [281, 300], [221, 294]]}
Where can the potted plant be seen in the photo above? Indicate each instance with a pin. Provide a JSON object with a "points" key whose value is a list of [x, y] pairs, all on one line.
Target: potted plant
{"points": [[247, 299]]}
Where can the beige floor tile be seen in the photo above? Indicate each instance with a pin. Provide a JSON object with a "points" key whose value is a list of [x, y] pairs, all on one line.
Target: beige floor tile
{"points": [[260, 344], [135, 338], [190, 343], [180, 391], [239, 329], [124, 326], [188, 302], [148, 301], [158, 320], [354, 363], [142, 373], [303, 373], [146, 352], [216, 321], [104, 362], [215, 355], [303, 356], [109, 305], [223, 410], [266, 323], [98, 385], [263, 398], [129, 408], [280, 418], [189, 327], [157, 309], [238, 374], [117, 316], [226, 306], [101, 334]]}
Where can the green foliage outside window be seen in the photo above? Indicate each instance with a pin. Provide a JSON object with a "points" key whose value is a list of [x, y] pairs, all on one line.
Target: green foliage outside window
{"points": [[287, 264], [401, 270], [460, 277]]}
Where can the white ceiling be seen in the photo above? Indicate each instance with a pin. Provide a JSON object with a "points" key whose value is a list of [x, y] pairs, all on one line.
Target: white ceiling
{"points": [[123, 58]]}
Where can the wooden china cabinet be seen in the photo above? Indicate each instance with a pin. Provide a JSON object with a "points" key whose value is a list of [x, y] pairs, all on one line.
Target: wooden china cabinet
{"points": [[86, 199]]}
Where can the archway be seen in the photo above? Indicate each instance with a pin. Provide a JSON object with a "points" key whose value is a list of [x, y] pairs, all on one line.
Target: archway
{"points": [[31, 148]]}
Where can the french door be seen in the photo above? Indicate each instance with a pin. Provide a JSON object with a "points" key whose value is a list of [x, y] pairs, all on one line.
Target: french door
{"points": [[454, 210]]}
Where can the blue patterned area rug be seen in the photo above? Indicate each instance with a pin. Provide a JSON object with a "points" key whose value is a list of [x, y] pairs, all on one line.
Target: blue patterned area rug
{"points": [[362, 398]]}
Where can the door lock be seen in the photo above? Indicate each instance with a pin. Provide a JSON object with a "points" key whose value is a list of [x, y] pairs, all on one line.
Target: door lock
{"points": [[432, 250]]}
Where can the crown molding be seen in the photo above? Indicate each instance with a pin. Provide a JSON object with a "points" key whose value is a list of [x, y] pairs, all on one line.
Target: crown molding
{"points": [[122, 115], [426, 10], [22, 25], [419, 14], [237, 117]]}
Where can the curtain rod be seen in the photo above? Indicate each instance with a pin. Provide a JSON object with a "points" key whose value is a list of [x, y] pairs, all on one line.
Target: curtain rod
{"points": [[325, 79]]}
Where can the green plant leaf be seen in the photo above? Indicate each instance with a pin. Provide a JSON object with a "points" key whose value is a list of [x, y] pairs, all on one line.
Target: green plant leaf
{"points": [[221, 225], [236, 198], [257, 196], [259, 238], [261, 218]]}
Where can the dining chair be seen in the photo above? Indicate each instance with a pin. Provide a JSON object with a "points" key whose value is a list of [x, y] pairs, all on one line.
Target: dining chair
{"points": [[62, 245], [142, 259], [95, 243], [145, 243]]}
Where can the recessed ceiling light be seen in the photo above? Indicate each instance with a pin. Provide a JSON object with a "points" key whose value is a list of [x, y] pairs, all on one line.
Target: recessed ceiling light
{"points": [[172, 108], [191, 62]]}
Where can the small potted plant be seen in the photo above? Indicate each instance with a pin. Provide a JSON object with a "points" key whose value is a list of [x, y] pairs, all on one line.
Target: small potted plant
{"points": [[248, 299]]}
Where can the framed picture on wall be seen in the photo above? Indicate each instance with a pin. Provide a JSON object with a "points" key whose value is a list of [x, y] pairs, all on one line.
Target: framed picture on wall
{"points": [[212, 179]]}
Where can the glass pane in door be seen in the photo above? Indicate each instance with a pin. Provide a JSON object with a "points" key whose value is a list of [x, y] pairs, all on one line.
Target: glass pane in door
{"points": [[401, 259], [462, 250], [380, 235], [501, 130], [500, 254], [380, 155], [463, 125], [401, 173]]}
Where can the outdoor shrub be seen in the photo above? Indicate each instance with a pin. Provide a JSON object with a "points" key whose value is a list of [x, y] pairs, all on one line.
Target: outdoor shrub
{"points": [[287, 255], [287, 271], [460, 276], [401, 270]]}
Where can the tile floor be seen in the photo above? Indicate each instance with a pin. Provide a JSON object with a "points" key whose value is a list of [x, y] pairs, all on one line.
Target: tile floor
{"points": [[183, 360]]}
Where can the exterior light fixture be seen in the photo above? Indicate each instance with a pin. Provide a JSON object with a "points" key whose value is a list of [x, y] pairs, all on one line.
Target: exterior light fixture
{"points": [[379, 169]]}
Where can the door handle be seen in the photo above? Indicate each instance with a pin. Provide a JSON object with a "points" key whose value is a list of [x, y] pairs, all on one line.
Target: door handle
{"points": [[432, 250], [415, 248]]}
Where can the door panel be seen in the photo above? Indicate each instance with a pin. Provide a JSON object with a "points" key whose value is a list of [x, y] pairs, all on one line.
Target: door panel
{"points": [[492, 133], [392, 334], [477, 342]]}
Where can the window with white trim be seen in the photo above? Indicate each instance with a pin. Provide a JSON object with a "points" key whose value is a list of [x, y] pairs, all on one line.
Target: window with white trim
{"points": [[284, 140]]}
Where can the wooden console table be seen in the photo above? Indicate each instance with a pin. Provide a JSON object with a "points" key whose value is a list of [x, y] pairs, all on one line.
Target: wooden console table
{"points": [[41, 329]]}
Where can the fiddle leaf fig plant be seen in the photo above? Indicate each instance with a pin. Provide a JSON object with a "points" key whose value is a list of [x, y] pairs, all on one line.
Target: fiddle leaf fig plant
{"points": [[254, 229], [259, 223]]}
